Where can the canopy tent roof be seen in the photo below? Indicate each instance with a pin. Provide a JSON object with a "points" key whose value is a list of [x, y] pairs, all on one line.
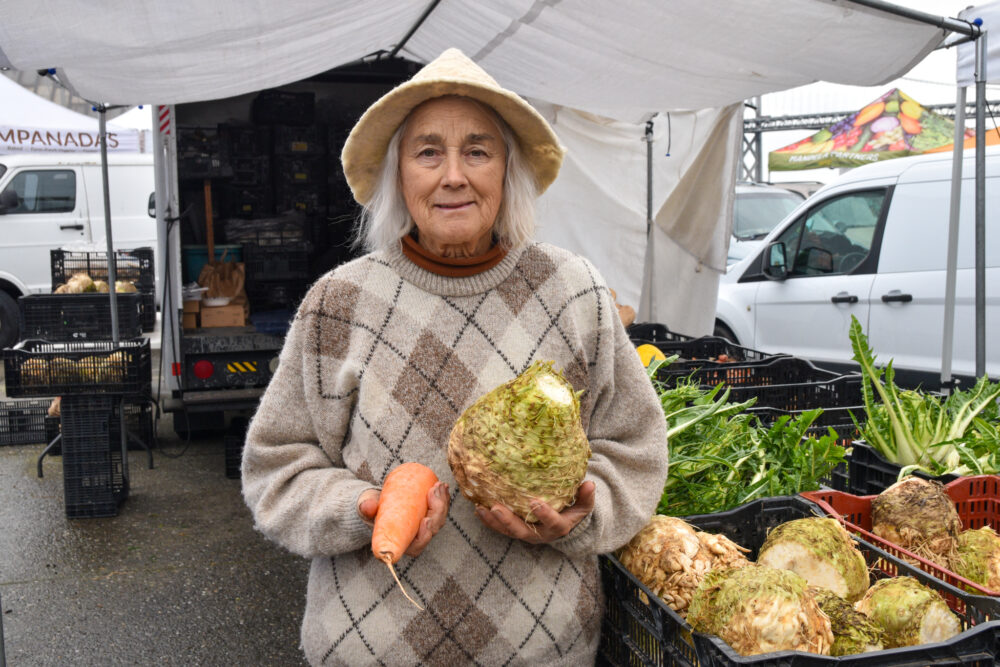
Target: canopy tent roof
{"points": [[894, 125], [622, 60], [29, 122]]}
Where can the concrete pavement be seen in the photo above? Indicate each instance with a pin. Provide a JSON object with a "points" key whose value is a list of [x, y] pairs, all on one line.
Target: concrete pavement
{"points": [[179, 577]]}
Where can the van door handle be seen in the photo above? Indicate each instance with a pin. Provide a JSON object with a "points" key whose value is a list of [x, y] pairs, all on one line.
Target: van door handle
{"points": [[844, 297], [896, 295], [76, 226]]}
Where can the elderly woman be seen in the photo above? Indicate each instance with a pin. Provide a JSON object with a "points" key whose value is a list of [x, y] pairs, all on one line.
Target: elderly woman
{"points": [[387, 351]]}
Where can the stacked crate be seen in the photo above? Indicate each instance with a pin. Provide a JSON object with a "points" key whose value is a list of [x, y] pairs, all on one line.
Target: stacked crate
{"points": [[135, 266], [67, 350]]}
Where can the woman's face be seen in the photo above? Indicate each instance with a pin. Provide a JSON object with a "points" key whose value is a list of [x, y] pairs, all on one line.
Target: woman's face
{"points": [[452, 162]]}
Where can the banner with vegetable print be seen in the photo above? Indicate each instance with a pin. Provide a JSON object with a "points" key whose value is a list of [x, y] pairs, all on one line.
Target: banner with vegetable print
{"points": [[892, 126]]}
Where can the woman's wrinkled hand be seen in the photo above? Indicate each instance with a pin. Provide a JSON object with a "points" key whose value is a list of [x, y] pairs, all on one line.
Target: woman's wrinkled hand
{"points": [[551, 524], [438, 501]]}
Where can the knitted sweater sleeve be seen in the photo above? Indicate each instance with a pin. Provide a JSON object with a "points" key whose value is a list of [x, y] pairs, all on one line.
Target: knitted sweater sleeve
{"points": [[299, 496], [628, 441]]}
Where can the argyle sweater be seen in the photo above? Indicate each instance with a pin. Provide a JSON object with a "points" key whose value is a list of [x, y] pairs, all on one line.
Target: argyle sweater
{"points": [[381, 359]]}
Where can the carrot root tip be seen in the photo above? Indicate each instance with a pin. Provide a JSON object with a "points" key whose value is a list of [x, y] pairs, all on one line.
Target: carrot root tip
{"points": [[388, 561]]}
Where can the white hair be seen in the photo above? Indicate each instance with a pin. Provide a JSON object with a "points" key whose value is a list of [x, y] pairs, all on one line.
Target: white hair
{"points": [[385, 219]]}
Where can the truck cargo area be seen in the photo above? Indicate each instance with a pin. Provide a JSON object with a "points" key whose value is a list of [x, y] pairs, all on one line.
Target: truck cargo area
{"points": [[257, 178]]}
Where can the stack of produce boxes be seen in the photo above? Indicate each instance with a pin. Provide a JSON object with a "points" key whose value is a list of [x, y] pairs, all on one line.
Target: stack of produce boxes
{"points": [[67, 351]]}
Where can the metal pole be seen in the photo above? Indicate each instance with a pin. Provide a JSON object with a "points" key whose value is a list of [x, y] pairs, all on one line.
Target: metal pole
{"points": [[112, 269], [948, 337], [647, 265], [3, 659], [758, 146], [954, 25], [981, 204]]}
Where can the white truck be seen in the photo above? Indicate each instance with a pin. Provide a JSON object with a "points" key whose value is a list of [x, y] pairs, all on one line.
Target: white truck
{"points": [[262, 171], [56, 200]]}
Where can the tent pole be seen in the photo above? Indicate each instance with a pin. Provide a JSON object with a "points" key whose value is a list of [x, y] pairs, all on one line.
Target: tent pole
{"points": [[646, 302], [980, 204], [112, 260], [955, 25], [112, 267], [948, 335]]}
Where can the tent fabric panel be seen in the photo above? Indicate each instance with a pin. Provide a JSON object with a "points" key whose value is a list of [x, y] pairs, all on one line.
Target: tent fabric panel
{"points": [[143, 51], [560, 53], [190, 50], [597, 206], [966, 58]]}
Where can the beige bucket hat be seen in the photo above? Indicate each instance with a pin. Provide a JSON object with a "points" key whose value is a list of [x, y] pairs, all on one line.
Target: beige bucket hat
{"points": [[451, 73]]}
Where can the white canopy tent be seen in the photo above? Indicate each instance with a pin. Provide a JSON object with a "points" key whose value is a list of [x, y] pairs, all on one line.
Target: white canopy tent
{"points": [[600, 70], [30, 123]]}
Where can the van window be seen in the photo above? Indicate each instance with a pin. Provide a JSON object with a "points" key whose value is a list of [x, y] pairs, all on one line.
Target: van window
{"points": [[756, 213], [44, 191], [835, 236]]}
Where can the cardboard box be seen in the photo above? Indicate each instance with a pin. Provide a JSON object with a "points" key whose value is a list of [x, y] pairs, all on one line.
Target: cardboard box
{"points": [[190, 320], [232, 315], [192, 306]]}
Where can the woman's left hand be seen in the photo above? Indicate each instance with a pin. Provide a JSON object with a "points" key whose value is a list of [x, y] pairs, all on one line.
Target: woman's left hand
{"points": [[551, 524]]}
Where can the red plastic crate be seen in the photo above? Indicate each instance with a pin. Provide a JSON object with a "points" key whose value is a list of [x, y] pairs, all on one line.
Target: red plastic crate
{"points": [[977, 500]]}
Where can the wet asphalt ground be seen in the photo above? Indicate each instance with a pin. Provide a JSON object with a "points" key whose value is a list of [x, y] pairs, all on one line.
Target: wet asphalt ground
{"points": [[179, 577]]}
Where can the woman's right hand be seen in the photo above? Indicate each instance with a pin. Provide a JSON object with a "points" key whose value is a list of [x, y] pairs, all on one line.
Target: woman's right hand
{"points": [[438, 502]]}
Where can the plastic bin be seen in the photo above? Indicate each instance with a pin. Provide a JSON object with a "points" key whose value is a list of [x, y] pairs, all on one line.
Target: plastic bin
{"points": [[299, 140], [95, 475], [276, 295], [60, 317], [194, 258], [271, 263], [41, 368], [251, 141], [654, 332], [705, 351], [273, 322], [22, 421], [282, 106], [248, 201], [134, 265], [870, 474], [233, 446], [251, 171], [634, 634], [977, 500]]}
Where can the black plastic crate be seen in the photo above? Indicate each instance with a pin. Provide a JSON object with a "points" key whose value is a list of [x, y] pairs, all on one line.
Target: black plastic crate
{"points": [[41, 368], [22, 421], [869, 474], [270, 263], [654, 332], [283, 294], [58, 317], [233, 443], [748, 525], [282, 106], [251, 171], [704, 352], [95, 475], [135, 266], [277, 230], [307, 199], [293, 140], [201, 153], [240, 201], [300, 170], [245, 140], [90, 422], [95, 483], [139, 422]]}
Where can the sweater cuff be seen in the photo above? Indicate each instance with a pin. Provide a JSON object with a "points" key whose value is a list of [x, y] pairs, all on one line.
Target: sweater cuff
{"points": [[349, 530], [577, 541]]}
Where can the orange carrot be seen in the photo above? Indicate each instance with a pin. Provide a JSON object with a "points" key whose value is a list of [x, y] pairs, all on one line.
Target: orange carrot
{"points": [[402, 505]]}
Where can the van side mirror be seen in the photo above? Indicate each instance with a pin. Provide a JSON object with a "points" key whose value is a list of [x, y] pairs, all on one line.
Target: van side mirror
{"points": [[151, 206], [775, 266], [8, 201]]}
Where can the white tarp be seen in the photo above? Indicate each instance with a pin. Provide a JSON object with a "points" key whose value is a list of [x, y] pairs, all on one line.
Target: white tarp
{"points": [[990, 14], [30, 123], [623, 60]]}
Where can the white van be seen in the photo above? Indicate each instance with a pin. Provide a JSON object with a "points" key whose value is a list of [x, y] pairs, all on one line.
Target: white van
{"points": [[54, 200], [872, 244]]}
